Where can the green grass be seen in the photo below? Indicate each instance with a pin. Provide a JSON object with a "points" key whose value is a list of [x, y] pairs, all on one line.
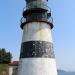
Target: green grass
{"points": [[3, 68]]}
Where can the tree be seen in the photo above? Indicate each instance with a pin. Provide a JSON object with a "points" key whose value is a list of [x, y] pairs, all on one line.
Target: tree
{"points": [[5, 57]]}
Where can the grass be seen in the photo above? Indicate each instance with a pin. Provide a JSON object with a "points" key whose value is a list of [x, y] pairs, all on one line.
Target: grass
{"points": [[3, 68]]}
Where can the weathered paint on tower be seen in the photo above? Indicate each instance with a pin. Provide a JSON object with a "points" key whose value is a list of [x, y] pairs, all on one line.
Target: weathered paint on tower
{"points": [[37, 54]]}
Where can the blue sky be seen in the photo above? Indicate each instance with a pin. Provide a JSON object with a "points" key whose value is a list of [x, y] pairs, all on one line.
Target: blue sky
{"points": [[63, 13]]}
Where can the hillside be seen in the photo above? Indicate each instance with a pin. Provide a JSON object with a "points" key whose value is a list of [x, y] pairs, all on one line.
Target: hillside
{"points": [[62, 72], [3, 69]]}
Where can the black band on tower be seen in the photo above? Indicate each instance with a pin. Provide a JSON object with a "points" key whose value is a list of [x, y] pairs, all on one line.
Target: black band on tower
{"points": [[33, 49]]}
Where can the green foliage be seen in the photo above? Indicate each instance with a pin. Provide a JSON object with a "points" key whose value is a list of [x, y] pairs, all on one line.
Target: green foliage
{"points": [[3, 69], [5, 57]]}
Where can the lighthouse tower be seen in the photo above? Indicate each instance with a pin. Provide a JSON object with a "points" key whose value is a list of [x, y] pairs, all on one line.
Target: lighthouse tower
{"points": [[37, 54]]}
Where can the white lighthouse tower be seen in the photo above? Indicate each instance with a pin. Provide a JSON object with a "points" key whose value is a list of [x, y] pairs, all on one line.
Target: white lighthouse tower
{"points": [[37, 54]]}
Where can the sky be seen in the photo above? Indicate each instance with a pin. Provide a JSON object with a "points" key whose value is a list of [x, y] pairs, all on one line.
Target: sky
{"points": [[63, 33]]}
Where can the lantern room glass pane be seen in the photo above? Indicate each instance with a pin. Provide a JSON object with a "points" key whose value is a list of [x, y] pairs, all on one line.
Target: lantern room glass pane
{"points": [[37, 4]]}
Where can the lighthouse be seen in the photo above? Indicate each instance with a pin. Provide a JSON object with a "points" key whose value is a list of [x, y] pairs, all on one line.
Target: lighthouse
{"points": [[37, 54]]}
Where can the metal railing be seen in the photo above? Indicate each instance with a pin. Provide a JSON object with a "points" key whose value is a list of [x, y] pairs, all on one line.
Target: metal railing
{"points": [[50, 20], [48, 12], [22, 20]]}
